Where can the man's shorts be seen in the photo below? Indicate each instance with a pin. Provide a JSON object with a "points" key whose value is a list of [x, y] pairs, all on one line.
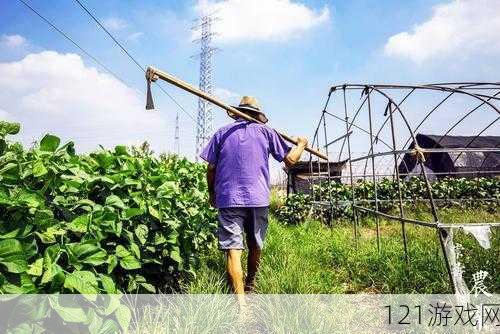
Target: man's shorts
{"points": [[234, 221]]}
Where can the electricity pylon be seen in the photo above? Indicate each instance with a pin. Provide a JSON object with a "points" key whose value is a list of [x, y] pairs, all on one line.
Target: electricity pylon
{"points": [[204, 119]]}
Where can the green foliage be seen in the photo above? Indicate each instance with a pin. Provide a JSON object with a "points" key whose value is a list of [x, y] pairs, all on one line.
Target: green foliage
{"points": [[312, 258], [101, 223], [414, 188], [8, 128], [449, 192], [295, 209]]}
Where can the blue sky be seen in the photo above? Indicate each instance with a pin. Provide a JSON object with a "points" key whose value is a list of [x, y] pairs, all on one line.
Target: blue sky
{"points": [[287, 53]]}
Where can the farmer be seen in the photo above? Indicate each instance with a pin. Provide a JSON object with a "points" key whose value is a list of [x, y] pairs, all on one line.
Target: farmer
{"points": [[238, 184]]}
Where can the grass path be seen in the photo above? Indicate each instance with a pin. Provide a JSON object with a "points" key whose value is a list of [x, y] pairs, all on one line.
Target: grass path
{"points": [[314, 258]]}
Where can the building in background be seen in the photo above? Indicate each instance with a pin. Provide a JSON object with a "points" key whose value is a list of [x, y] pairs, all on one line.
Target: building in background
{"points": [[303, 175]]}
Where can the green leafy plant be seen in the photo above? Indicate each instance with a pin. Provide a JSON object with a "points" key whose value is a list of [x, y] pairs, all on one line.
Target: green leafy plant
{"points": [[448, 192], [295, 209], [112, 221]]}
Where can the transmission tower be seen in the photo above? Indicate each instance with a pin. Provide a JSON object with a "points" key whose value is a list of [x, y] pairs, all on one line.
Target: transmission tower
{"points": [[177, 146], [204, 125]]}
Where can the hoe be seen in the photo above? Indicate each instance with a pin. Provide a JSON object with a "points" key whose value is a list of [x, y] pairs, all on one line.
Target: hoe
{"points": [[153, 74]]}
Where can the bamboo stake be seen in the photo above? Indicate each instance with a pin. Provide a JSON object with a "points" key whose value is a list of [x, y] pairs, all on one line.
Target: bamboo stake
{"points": [[153, 74]]}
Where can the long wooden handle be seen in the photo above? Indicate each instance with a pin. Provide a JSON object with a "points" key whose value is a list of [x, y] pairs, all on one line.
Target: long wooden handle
{"points": [[153, 74]]}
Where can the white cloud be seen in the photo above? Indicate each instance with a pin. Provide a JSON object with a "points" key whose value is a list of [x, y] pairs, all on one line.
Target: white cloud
{"points": [[12, 41], [53, 92], [135, 36], [261, 19], [226, 95], [115, 23], [459, 29]]}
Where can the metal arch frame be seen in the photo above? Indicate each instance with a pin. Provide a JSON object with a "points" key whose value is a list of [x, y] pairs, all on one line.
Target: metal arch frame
{"points": [[439, 87], [494, 96], [458, 89]]}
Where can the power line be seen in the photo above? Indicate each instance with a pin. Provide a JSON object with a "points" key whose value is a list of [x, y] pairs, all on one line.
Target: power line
{"points": [[53, 26], [85, 52], [95, 59], [131, 57], [110, 35]]}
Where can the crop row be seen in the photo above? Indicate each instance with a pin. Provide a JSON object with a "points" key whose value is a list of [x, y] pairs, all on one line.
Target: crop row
{"points": [[110, 221], [447, 191]]}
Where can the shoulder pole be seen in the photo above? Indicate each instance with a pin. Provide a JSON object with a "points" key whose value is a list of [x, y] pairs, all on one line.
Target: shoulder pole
{"points": [[153, 74]]}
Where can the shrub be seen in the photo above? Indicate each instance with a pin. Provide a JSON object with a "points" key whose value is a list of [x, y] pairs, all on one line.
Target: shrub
{"points": [[295, 210], [105, 222]]}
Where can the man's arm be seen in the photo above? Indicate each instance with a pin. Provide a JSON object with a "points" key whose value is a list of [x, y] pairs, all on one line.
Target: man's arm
{"points": [[211, 183], [294, 155]]}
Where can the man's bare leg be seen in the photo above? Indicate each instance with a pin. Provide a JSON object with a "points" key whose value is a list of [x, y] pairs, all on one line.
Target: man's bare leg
{"points": [[252, 267], [235, 273]]}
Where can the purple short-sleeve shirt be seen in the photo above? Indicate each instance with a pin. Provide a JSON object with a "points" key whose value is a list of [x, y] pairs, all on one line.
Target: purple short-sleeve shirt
{"points": [[240, 152]]}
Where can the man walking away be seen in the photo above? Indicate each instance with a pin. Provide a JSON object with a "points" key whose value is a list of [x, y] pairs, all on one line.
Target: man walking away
{"points": [[239, 186]]}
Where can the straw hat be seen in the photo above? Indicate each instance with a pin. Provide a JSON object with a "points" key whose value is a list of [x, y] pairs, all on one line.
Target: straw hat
{"points": [[250, 106]]}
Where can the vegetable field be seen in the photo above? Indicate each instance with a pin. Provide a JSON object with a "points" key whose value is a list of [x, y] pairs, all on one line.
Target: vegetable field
{"points": [[120, 220], [448, 192], [124, 220]]}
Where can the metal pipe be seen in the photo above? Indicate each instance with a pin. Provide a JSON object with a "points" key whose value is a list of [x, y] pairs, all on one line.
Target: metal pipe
{"points": [[407, 220], [477, 136], [374, 179], [427, 116], [433, 173], [428, 150], [441, 235], [354, 214], [396, 170], [353, 119], [387, 118], [469, 224], [328, 164], [337, 139], [357, 127], [311, 169]]}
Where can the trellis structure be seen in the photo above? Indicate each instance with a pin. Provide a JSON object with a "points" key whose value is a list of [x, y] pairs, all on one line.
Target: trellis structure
{"points": [[376, 124]]}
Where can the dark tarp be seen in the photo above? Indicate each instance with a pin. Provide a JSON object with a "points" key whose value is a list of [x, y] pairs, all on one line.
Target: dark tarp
{"points": [[454, 163]]}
